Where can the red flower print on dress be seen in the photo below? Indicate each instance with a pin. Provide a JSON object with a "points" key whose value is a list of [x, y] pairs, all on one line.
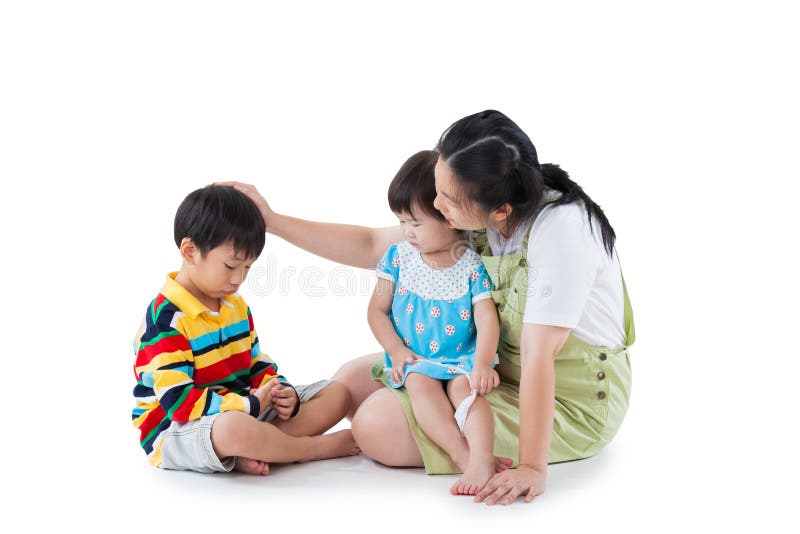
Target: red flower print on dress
{"points": [[403, 291], [434, 346], [436, 312], [453, 371], [449, 301], [397, 321], [486, 284], [383, 264], [407, 342], [474, 276], [460, 347], [449, 330], [420, 328], [465, 315], [395, 262], [409, 308]]}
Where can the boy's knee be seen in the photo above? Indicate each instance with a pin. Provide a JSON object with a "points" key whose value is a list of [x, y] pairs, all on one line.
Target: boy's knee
{"points": [[337, 394], [229, 430]]}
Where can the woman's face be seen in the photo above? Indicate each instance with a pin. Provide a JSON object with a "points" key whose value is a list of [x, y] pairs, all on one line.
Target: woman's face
{"points": [[448, 201]]}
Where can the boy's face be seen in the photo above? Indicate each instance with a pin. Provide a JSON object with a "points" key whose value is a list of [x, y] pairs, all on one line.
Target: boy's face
{"points": [[220, 272], [426, 233]]}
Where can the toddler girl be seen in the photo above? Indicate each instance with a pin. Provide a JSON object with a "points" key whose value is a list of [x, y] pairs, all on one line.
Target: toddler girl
{"points": [[433, 314]]}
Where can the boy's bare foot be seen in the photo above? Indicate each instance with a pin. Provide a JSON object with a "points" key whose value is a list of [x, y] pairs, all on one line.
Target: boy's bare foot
{"points": [[336, 445], [475, 477], [251, 467]]}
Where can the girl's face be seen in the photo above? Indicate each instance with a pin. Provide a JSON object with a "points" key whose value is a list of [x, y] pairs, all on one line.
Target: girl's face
{"points": [[427, 233], [447, 201]]}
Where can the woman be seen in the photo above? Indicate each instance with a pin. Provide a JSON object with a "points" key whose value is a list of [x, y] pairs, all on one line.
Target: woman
{"points": [[565, 319]]}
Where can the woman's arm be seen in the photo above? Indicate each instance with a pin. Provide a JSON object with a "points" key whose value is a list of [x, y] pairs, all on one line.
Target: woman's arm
{"points": [[357, 246], [538, 348]]}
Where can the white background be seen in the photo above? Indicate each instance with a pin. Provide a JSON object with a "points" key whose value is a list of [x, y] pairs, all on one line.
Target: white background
{"points": [[679, 118]]}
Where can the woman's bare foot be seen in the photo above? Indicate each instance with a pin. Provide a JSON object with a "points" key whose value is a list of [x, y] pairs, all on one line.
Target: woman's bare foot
{"points": [[251, 467], [476, 476]]}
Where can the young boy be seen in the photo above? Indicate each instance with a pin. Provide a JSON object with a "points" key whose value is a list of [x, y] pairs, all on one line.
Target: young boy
{"points": [[207, 398]]}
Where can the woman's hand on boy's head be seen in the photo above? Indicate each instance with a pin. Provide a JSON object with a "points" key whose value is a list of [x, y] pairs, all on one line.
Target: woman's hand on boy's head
{"points": [[284, 399], [253, 194]]}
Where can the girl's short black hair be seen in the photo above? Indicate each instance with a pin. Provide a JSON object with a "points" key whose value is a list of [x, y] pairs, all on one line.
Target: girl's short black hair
{"points": [[414, 185], [215, 215]]}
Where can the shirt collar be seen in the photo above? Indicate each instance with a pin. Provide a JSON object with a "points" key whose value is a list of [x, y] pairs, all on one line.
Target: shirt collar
{"points": [[180, 297]]}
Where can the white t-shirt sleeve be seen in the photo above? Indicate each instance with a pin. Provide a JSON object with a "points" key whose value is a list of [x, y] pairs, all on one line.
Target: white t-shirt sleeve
{"points": [[562, 267]]}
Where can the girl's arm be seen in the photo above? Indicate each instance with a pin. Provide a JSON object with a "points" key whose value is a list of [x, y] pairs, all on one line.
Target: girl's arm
{"points": [[484, 378], [380, 305], [357, 246]]}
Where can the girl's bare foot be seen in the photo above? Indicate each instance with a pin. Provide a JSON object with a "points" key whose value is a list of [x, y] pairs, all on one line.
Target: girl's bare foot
{"points": [[251, 467], [476, 476], [502, 463]]}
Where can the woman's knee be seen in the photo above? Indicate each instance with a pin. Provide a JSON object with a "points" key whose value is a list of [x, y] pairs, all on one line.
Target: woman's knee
{"points": [[355, 377], [381, 430]]}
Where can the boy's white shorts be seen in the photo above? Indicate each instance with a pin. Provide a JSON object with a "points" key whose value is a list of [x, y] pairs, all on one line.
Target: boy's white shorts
{"points": [[187, 446]]}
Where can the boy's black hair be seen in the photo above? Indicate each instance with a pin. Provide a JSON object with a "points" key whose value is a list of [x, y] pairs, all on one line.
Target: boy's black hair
{"points": [[215, 215], [413, 186]]}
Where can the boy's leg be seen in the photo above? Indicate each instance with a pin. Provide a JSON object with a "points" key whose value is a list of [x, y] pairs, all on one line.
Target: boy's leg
{"points": [[238, 434], [318, 414], [435, 416], [479, 433]]}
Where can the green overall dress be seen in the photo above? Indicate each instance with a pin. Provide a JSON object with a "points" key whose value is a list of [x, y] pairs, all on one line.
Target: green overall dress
{"points": [[592, 383]]}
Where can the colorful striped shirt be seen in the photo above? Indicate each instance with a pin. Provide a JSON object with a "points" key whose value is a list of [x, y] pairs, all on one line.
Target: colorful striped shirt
{"points": [[192, 362]]}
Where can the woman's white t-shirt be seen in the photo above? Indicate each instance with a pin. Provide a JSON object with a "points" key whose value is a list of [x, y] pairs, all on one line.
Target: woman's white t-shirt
{"points": [[572, 281]]}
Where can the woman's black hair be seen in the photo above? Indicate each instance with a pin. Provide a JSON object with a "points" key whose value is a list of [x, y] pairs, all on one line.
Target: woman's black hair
{"points": [[215, 215], [414, 186], [495, 163]]}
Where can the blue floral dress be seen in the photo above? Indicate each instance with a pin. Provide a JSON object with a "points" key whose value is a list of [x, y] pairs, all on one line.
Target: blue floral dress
{"points": [[432, 310]]}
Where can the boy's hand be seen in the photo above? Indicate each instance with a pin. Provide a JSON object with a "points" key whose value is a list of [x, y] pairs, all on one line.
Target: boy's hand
{"points": [[284, 399], [484, 379], [399, 360], [264, 396]]}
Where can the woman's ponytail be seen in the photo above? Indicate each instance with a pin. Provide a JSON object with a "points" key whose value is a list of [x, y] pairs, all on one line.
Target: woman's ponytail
{"points": [[558, 179]]}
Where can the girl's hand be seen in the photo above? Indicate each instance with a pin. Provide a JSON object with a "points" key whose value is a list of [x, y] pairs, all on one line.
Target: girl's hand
{"points": [[506, 486], [484, 379], [252, 193], [399, 360]]}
